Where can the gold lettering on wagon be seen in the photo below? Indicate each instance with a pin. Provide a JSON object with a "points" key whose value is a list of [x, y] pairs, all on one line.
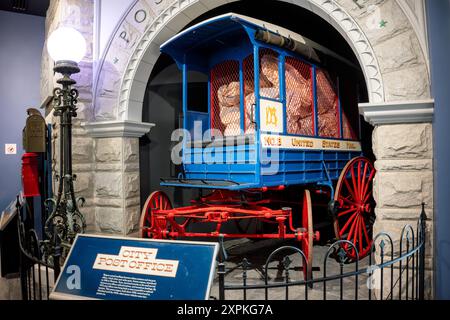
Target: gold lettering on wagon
{"points": [[273, 141], [352, 146], [326, 144], [301, 143], [271, 116]]}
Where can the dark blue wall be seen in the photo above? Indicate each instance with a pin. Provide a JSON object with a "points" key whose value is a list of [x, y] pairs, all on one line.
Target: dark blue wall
{"points": [[439, 34], [21, 43]]}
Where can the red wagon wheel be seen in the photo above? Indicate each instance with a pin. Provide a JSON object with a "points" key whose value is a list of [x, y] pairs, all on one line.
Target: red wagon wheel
{"points": [[307, 242], [355, 206], [151, 227]]}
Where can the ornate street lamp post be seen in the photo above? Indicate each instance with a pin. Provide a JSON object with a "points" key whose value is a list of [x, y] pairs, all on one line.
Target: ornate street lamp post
{"points": [[67, 48]]}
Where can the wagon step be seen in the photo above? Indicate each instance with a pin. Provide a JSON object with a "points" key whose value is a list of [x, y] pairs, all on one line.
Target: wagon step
{"points": [[206, 183]]}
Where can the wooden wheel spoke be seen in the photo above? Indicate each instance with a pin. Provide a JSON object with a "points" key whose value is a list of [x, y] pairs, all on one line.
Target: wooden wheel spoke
{"points": [[366, 235], [359, 180], [347, 212], [363, 182], [360, 232], [372, 174], [349, 221], [350, 190], [354, 183], [355, 231], [368, 196], [352, 229], [348, 201]]}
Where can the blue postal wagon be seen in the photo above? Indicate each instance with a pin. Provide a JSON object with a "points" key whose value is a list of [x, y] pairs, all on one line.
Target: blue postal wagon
{"points": [[269, 126]]}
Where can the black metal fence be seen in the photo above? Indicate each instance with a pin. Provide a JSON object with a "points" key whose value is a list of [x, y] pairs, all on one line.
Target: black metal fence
{"points": [[38, 272], [394, 270]]}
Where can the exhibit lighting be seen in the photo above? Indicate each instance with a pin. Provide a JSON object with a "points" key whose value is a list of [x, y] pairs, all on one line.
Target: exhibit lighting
{"points": [[66, 44], [67, 48]]}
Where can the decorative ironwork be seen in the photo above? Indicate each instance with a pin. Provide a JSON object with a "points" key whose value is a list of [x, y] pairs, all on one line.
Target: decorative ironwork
{"points": [[397, 273], [65, 219], [36, 274]]}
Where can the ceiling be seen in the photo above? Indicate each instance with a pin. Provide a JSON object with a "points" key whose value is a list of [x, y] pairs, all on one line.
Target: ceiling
{"points": [[32, 7]]}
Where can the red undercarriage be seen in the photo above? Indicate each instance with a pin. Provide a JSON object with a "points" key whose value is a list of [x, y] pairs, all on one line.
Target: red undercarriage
{"points": [[218, 208], [285, 213]]}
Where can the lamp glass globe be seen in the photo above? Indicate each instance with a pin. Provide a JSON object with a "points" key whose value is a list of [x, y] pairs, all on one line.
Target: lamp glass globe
{"points": [[66, 44]]}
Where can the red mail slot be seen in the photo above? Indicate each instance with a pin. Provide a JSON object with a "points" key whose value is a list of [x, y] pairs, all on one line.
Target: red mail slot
{"points": [[30, 175]]}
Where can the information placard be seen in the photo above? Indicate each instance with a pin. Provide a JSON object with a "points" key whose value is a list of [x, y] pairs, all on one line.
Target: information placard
{"points": [[114, 268]]}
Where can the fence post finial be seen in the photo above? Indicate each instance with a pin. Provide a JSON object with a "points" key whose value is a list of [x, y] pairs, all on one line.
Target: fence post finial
{"points": [[423, 215], [422, 237]]}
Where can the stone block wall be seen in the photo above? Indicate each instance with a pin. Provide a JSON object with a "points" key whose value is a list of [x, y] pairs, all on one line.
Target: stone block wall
{"points": [[117, 189], [403, 66], [404, 181]]}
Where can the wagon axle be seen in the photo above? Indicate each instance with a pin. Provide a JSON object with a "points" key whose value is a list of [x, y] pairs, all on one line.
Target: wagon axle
{"points": [[172, 223]]}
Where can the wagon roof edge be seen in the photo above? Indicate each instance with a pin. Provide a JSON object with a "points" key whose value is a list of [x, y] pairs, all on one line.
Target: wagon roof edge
{"points": [[257, 24]]}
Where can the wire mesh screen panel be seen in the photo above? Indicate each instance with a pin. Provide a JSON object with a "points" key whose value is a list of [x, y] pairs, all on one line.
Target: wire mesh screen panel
{"points": [[299, 97], [349, 105], [249, 93], [349, 131], [327, 105], [269, 74], [225, 98], [269, 83]]}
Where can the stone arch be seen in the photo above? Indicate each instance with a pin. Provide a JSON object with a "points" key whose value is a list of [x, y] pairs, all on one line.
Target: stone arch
{"points": [[169, 22], [378, 59]]}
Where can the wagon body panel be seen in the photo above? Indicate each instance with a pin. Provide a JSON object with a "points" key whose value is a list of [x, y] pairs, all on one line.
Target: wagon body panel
{"points": [[293, 167]]}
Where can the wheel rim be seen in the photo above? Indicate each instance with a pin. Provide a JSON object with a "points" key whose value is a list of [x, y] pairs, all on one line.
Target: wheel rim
{"points": [[307, 242], [152, 227], [355, 207]]}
